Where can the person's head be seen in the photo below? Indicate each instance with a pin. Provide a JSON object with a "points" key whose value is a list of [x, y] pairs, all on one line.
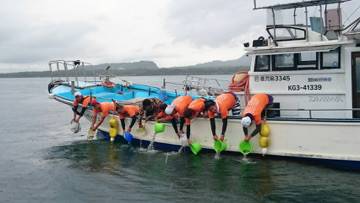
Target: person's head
{"points": [[210, 105], [147, 104], [188, 113], [169, 109], [95, 104], [246, 121], [162, 107], [78, 96]]}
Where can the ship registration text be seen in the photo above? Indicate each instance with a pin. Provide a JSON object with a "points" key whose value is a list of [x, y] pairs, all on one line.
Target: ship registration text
{"points": [[313, 87]]}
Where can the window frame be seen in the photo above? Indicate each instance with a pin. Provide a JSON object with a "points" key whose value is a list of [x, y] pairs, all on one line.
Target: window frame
{"points": [[256, 63], [274, 68], [322, 67], [281, 26], [300, 62]]}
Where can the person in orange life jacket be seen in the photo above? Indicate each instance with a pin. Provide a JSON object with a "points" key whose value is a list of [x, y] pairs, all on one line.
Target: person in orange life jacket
{"points": [[127, 111], [194, 109], [253, 113], [104, 108], [150, 109], [161, 116], [177, 109], [84, 101], [221, 106]]}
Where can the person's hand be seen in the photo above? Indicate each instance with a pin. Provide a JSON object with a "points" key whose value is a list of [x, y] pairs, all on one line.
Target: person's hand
{"points": [[93, 128], [141, 125], [181, 132], [129, 130], [247, 138], [179, 135], [215, 137], [222, 137]]}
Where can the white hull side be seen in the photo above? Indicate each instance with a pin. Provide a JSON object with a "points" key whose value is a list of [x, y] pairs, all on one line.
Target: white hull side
{"points": [[324, 140]]}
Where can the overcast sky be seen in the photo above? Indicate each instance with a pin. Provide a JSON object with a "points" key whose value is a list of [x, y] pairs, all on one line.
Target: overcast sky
{"points": [[169, 32]]}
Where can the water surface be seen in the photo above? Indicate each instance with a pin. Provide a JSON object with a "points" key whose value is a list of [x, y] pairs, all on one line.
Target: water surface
{"points": [[42, 161]]}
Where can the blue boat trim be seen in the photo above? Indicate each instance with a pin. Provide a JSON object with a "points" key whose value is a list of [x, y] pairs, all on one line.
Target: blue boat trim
{"points": [[347, 165]]}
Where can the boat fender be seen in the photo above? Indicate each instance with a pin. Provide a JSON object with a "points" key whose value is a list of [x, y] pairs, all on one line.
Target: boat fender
{"points": [[264, 139], [265, 130], [114, 128], [264, 142]]}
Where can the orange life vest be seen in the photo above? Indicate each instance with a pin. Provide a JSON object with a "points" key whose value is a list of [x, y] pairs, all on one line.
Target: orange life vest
{"points": [[256, 105], [85, 102], [224, 102], [129, 111], [181, 103], [198, 106], [105, 107]]}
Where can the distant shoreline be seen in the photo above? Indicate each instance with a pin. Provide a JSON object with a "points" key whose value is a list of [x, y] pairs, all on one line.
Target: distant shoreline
{"points": [[159, 72]]}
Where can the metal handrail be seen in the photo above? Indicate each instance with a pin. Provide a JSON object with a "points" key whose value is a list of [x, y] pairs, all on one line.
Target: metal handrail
{"points": [[310, 111]]}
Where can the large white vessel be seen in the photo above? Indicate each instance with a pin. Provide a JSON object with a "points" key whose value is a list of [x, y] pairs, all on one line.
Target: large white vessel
{"points": [[310, 67]]}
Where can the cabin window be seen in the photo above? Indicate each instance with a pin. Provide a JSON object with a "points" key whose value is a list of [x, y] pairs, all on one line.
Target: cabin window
{"points": [[283, 62], [262, 63], [284, 33], [331, 59], [306, 60]]}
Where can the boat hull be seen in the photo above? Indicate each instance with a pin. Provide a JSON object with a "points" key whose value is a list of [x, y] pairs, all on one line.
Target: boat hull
{"points": [[327, 142]]}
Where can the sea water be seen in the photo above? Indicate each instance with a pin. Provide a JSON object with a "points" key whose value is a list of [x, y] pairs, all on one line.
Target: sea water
{"points": [[43, 161]]}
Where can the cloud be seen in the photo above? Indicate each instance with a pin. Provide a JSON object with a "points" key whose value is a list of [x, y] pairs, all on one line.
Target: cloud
{"points": [[211, 22], [169, 32]]}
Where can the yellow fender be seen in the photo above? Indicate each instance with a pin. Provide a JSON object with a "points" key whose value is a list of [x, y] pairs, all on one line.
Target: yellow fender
{"points": [[264, 142], [114, 128], [265, 130]]}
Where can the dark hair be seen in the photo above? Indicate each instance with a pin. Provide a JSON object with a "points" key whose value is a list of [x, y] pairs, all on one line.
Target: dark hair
{"points": [[208, 104], [146, 102], [162, 107], [188, 113]]}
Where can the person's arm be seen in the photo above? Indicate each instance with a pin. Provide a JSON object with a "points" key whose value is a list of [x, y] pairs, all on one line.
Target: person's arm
{"points": [[81, 114], [100, 122], [174, 124], [141, 115], [224, 126], [213, 126], [74, 109], [93, 120], [133, 120], [188, 131], [182, 121], [256, 131], [245, 131], [122, 121]]}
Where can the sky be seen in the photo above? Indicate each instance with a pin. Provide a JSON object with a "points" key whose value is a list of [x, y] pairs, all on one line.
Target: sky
{"points": [[168, 32]]}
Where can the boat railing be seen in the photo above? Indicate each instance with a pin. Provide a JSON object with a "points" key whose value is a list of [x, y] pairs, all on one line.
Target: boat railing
{"points": [[68, 71], [275, 112], [203, 86]]}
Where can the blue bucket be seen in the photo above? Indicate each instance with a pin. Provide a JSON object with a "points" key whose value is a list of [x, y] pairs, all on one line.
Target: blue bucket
{"points": [[128, 136]]}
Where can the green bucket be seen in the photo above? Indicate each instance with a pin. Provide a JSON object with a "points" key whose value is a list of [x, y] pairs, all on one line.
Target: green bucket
{"points": [[159, 127], [219, 146], [245, 147], [195, 148]]}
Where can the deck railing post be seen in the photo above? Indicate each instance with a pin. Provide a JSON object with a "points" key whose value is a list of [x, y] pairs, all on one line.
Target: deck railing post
{"points": [[310, 114]]}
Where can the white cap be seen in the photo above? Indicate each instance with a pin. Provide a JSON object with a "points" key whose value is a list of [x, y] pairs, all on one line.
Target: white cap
{"points": [[77, 94], [246, 121], [169, 109]]}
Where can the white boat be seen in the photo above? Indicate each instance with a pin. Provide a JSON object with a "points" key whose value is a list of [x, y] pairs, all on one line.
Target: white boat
{"points": [[312, 71]]}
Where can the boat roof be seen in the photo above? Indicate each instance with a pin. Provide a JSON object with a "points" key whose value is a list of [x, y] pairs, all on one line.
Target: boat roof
{"points": [[301, 4], [303, 47]]}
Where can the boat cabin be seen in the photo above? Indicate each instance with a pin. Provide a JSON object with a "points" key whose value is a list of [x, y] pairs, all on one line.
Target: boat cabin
{"points": [[311, 67]]}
